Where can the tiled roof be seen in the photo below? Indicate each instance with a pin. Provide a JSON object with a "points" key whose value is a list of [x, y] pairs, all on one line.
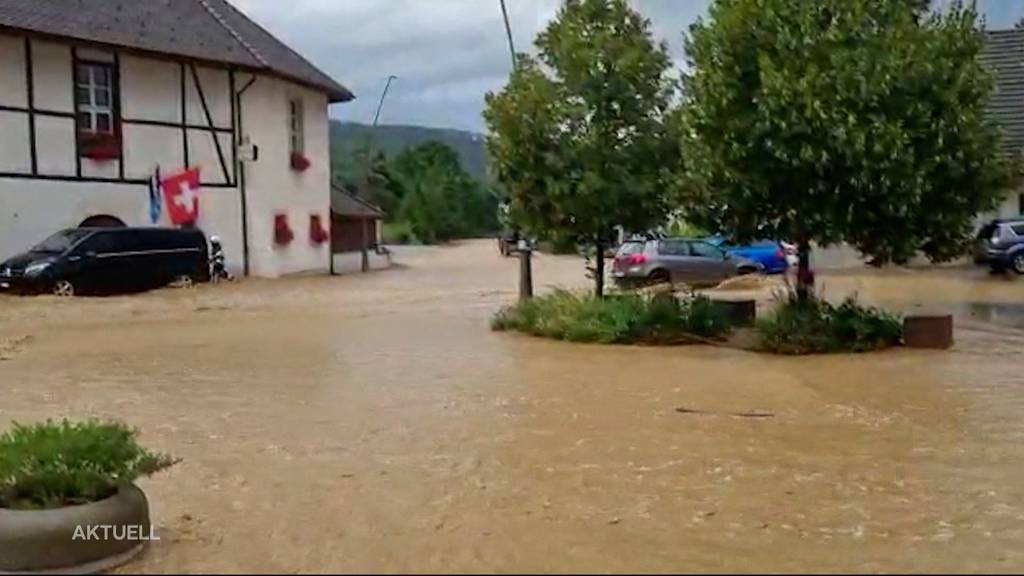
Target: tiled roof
{"points": [[211, 30], [1004, 57], [348, 203]]}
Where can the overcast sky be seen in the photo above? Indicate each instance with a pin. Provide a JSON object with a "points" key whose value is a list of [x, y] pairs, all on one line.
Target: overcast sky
{"points": [[448, 53]]}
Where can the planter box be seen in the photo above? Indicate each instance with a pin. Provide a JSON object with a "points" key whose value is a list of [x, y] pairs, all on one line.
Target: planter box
{"points": [[58, 540], [928, 332]]}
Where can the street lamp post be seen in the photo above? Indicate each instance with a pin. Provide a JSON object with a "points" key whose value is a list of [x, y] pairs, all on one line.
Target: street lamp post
{"points": [[367, 167]]}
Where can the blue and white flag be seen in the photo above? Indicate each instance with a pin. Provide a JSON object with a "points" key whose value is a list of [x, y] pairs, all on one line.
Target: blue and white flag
{"points": [[155, 198]]}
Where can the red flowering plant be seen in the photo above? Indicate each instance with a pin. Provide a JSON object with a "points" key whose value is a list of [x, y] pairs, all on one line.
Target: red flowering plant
{"points": [[282, 232], [100, 146], [317, 233], [299, 162]]}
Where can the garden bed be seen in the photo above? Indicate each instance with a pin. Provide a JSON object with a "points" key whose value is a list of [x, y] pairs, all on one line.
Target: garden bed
{"points": [[661, 319], [794, 328]]}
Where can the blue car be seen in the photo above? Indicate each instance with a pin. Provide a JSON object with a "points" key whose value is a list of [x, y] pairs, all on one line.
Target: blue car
{"points": [[768, 253]]}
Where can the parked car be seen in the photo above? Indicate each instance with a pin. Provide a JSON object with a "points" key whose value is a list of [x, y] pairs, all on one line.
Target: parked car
{"points": [[682, 260], [106, 260], [771, 254], [1000, 245]]}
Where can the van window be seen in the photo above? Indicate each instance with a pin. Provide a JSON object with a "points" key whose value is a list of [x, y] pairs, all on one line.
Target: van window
{"points": [[61, 242], [1018, 229], [100, 243]]}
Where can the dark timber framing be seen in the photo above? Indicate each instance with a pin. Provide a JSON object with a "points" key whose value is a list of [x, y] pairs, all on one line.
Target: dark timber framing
{"points": [[74, 103], [115, 85], [232, 177], [30, 98], [209, 122], [184, 115]]}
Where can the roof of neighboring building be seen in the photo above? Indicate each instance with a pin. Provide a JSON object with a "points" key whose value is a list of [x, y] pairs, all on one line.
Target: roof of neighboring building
{"points": [[210, 30], [1003, 55], [347, 203]]}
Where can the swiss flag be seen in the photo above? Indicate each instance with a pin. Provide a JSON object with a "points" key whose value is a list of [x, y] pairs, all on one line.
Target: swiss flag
{"points": [[180, 196]]}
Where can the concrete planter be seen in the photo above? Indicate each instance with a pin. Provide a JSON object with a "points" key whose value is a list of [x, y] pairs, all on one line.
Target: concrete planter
{"points": [[934, 332], [59, 541], [742, 313]]}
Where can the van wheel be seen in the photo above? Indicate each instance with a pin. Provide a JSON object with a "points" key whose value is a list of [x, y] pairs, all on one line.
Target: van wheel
{"points": [[63, 288], [183, 282], [747, 271], [1018, 262]]}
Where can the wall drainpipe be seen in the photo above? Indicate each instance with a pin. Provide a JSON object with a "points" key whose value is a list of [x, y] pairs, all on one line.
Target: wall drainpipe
{"points": [[241, 179]]}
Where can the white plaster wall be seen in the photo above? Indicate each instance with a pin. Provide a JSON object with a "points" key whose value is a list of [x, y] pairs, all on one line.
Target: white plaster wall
{"points": [[12, 71], [148, 147], [151, 90], [14, 150], [55, 145], [274, 188], [52, 79]]}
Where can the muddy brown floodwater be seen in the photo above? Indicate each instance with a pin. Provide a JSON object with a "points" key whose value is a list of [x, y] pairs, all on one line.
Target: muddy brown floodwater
{"points": [[374, 423]]}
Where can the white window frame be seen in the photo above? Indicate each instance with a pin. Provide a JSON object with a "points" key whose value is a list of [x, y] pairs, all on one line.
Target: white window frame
{"points": [[296, 126], [87, 78]]}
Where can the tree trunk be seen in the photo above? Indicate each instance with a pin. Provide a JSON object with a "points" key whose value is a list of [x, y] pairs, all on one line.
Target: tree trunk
{"points": [[804, 276], [599, 270]]}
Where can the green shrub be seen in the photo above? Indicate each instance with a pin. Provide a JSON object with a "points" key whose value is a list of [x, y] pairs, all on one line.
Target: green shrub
{"points": [[52, 465], [623, 319], [397, 232], [817, 326]]}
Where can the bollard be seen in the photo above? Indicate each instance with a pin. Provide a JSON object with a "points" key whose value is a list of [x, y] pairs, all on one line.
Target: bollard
{"points": [[935, 332]]}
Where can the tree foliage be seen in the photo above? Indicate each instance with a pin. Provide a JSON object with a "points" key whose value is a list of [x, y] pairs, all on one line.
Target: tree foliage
{"points": [[840, 120], [438, 198], [579, 137]]}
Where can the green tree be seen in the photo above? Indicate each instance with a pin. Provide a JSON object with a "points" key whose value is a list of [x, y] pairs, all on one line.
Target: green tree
{"points": [[840, 120], [580, 138], [439, 199]]}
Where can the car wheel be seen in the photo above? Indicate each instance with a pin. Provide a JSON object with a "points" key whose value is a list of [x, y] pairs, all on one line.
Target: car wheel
{"points": [[1018, 262], [63, 288], [660, 277]]}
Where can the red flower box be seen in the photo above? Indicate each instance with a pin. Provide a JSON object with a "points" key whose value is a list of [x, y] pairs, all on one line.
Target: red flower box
{"points": [[299, 162], [317, 233], [283, 235], [99, 146]]}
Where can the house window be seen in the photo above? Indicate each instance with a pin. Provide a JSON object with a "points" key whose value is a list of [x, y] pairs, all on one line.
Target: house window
{"points": [[94, 96], [296, 121]]}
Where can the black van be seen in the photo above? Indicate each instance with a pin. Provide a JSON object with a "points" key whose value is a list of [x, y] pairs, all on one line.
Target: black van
{"points": [[108, 260]]}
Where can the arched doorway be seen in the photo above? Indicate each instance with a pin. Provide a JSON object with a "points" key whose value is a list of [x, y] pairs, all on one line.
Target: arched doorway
{"points": [[102, 221]]}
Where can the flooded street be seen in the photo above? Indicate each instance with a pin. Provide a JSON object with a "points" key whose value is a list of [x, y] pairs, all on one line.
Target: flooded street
{"points": [[375, 423]]}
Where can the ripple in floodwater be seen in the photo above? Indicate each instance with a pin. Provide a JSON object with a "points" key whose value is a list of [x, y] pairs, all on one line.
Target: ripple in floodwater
{"points": [[374, 422]]}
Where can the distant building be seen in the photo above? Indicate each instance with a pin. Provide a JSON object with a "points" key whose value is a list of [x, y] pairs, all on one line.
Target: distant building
{"points": [[1004, 57], [356, 233], [97, 95]]}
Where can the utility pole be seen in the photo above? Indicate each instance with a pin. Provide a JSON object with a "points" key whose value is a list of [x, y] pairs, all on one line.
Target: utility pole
{"points": [[523, 249]]}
